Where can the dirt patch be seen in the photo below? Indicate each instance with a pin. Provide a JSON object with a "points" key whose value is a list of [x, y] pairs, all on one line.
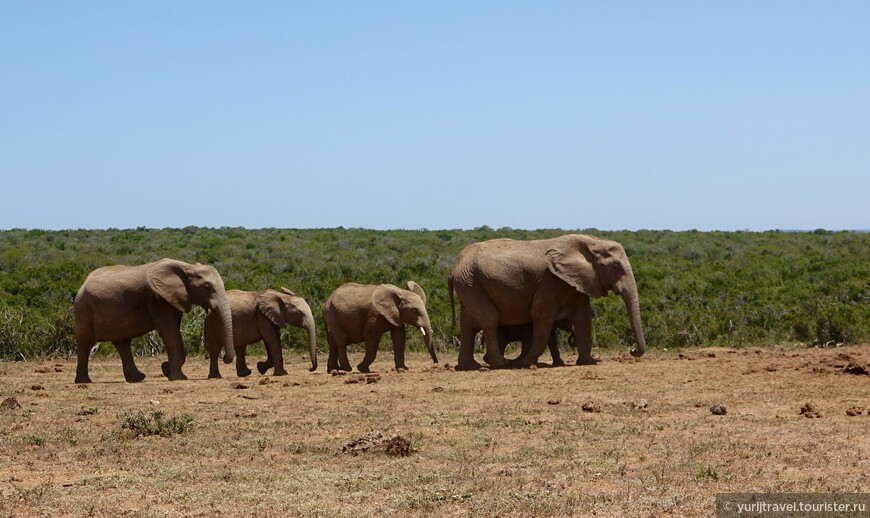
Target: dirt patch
{"points": [[434, 442]]}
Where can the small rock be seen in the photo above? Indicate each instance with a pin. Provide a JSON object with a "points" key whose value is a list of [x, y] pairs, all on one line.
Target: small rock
{"points": [[154, 402], [37, 386], [640, 404], [265, 381], [42, 370], [855, 410], [240, 386], [337, 372], [554, 401], [718, 409], [438, 389]]}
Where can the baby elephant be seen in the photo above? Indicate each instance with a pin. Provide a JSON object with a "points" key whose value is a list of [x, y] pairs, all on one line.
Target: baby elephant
{"points": [[260, 315], [524, 333], [357, 313]]}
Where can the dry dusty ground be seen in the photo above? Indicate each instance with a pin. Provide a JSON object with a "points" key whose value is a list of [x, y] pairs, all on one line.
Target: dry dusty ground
{"points": [[623, 438]]}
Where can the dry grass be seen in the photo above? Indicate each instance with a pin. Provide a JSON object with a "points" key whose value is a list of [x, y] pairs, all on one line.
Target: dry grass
{"points": [[621, 438]]}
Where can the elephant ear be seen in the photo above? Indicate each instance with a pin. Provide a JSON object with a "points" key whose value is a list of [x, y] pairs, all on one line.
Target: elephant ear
{"points": [[168, 280], [386, 301], [572, 262], [271, 304], [288, 292], [413, 286]]}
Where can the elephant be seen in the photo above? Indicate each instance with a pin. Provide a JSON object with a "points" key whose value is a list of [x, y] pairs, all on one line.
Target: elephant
{"points": [[357, 313], [506, 282], [524, 334], [260, 315], [118, 303]]}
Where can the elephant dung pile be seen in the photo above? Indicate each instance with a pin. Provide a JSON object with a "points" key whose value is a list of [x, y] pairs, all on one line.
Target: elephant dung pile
{"points": [[397, 446]]}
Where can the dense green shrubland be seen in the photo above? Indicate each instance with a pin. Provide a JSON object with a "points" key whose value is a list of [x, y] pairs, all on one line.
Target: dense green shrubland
{"points": [[696, 288]]}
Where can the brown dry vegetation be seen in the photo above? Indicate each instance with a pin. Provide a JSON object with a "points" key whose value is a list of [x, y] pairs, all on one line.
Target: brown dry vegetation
{"points": [[621, 438]]}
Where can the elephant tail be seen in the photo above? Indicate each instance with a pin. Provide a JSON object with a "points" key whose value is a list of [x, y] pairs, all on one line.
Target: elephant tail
{"points": [[452, 308]]}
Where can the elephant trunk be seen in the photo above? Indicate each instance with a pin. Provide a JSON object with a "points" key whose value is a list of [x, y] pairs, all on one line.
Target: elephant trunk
{"points": [[427, 337], [308, 325], [222, 307], [632, 305]]}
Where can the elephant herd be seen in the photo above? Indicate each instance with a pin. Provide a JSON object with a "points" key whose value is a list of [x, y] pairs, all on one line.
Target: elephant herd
{"points": [[510, 290]]}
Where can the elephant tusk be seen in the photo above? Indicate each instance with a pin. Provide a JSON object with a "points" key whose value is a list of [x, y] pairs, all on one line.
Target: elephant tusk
{"points": [[423, 331]]}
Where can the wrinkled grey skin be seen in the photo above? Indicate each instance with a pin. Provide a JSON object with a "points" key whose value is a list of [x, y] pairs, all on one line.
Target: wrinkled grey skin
{"points": [[118, 303], [260, 315], [505, 282], [361, 313]]}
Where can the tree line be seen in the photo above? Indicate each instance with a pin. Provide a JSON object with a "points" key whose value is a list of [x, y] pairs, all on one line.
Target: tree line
{"points": [[696, 288]]}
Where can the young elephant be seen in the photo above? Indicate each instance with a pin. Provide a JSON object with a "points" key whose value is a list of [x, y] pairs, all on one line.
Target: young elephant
{"points": [[357, 313], [524, 334], [260, 315]]}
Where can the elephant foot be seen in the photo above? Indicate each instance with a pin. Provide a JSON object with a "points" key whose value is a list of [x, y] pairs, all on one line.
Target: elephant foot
{"points": [[587, 361], [243, 373], [468, 366], [214, 375], [83, 379], [401, 368], [165, 368], [134, 377], [262, 367], [503, 364], [279, 372], [362, 368], [558, 363]]}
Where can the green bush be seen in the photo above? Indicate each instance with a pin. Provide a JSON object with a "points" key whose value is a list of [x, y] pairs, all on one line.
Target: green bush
{"points": [[696, 288]]}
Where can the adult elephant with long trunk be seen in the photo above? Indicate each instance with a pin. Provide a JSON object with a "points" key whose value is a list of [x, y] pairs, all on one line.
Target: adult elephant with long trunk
{"points": [[118, 303], [506, 282], [260, 315]]}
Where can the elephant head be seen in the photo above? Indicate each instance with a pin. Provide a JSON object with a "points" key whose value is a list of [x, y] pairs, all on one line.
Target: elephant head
{"points": [[402, 307], [594, 267], [286, 308], [183, 285]]}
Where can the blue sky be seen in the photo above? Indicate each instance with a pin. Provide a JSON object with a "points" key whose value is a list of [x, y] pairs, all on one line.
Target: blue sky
{"points": [[438, 115]]}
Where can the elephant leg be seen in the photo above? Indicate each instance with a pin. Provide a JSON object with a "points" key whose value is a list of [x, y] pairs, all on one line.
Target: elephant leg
{"points": [[540, 337], [553, 345], [583, 332], [467, 331], [131, 373], [169, 328], [398, 336], [494, 355], [83, 350], [503, 341], [274, 354], [213, 354], [242, 369], [372, 343], [332, 360]]}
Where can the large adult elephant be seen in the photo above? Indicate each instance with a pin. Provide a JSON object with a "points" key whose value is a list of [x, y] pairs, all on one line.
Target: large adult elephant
{"points": [[508, 282], [357, 313], [118, 303], [260, 315]]}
